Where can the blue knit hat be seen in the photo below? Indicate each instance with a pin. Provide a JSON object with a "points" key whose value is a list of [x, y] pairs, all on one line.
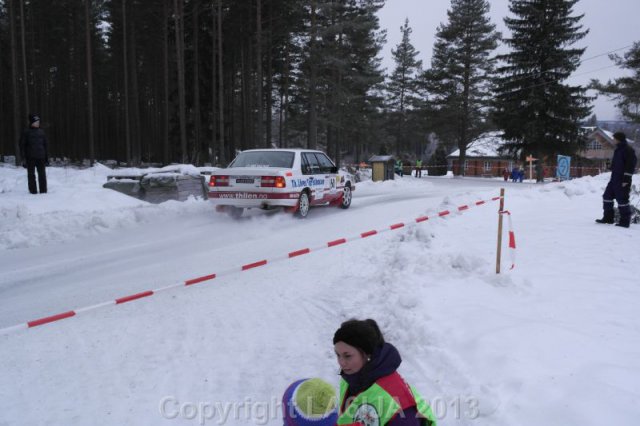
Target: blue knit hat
{"points": [[309, 402]]}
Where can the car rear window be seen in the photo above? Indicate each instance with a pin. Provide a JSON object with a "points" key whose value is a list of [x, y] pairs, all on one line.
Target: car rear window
{"points": [[281, 159]]}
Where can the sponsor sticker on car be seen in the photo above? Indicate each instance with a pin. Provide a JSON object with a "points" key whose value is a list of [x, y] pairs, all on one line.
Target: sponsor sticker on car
{"points": [[310, 181]]}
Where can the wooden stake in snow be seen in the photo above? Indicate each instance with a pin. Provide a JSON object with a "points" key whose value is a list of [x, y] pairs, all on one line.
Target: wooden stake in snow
{"points": [[530, 159], [499, 251]]}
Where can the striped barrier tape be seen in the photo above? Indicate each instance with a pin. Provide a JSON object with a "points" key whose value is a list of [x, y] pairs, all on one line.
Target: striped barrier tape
{"points": [[249, 266], [512, 239]]}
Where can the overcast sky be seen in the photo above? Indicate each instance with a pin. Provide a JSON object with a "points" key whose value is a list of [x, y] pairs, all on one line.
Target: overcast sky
{"points": [[612, 24]]}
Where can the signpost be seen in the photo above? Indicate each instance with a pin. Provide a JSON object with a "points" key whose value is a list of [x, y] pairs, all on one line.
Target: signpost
{"points": [[530, 159]]}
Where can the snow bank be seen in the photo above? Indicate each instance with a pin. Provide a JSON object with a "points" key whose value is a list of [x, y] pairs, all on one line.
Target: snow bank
{"points": [[76, 205]]}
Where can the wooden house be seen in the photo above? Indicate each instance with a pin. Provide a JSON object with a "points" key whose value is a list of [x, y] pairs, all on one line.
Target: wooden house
{"points": [[600, 147], [483, 157]]}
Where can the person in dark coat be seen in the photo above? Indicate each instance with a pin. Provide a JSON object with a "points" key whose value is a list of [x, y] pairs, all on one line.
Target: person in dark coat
{"points": [[35, 154], [623, 165]]}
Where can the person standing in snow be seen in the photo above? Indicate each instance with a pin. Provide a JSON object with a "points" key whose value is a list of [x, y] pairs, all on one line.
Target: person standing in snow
{"points": [[35, 155], [418, 168], [623, 165], [371, 390], [514, 174]]}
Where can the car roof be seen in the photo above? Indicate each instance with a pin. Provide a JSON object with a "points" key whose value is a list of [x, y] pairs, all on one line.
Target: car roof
{"points": [[283, 150]]}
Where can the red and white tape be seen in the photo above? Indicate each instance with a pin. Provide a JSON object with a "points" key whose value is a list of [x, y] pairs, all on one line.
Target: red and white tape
{"points": [[249, 266], [512, 239]]}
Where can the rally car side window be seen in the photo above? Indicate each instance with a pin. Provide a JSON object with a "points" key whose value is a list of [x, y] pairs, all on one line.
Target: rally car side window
{"points": [[310, 164], [304, 164], [326, 165]]}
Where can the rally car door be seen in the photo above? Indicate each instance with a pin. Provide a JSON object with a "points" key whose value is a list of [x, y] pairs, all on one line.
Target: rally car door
{"points": [[314, 173], [330, 179]]}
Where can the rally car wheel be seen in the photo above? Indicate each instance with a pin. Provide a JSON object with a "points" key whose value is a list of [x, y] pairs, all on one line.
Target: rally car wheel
{"points": [[346, 197], [303, 205]]}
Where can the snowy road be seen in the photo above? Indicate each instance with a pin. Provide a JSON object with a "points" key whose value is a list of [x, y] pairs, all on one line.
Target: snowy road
{"points": [[55, 278]]}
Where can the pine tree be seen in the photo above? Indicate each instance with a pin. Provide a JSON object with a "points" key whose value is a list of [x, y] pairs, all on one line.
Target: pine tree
{"points": [[438, 162], [338, 74], [401, 88], [168, 53], [461, 70], [538, 113], [625, 90], [360, 79]]}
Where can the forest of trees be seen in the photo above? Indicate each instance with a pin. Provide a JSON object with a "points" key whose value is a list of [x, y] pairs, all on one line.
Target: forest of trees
{"points": [[193, 81]]}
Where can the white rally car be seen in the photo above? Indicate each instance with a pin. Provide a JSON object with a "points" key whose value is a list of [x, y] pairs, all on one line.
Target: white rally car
{"points": [[268, 178]]}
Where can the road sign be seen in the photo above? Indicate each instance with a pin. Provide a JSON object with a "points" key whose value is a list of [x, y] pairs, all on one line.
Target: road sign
{"points": [[564, 167]]}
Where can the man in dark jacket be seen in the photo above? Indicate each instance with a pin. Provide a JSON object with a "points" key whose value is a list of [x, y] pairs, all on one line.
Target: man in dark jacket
{"points": [[623, 165], [35, 155]]}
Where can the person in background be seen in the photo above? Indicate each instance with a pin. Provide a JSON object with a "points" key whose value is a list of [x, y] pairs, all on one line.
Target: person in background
{"points": [[399, 168], [515, 173], [419, 168], [35, 155], [623, 164], [505, 174], [371, 390]]}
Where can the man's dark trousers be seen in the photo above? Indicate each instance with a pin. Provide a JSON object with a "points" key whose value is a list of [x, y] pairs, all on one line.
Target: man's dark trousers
{"points": [[33, 165], [621, 195]]}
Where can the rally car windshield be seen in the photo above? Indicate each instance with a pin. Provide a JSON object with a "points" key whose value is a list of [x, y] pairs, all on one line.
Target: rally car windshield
{"points": [[281, 159]]}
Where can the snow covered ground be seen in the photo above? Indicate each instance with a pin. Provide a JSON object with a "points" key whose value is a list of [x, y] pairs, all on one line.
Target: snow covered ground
{"points": [[555, 341]]}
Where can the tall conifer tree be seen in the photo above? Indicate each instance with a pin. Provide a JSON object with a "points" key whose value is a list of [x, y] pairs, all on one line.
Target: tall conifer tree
{"points": [[340, 71], [359, 78], [461, 70], [538, 113], [401, 88]]}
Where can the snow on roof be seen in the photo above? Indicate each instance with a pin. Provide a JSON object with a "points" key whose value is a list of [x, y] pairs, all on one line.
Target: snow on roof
{"points": [[382, 158], [606, 136], [282, 150], [184, 169], [606, 133], [486, 145]]}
